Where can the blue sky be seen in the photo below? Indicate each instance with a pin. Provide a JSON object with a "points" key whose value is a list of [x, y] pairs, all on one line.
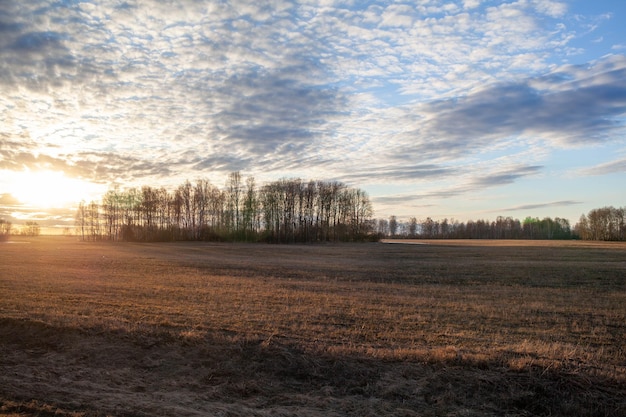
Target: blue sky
{"points": [[463, 109]]}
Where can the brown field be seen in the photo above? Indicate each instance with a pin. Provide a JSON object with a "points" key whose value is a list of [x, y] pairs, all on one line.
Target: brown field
{"points": [[446, 328]]}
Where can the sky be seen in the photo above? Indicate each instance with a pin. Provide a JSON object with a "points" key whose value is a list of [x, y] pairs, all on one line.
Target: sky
{"points": [[464, 109]]}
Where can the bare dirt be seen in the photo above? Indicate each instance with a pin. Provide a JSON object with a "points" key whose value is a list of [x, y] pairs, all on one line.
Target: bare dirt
{"points": [[194, 329]]}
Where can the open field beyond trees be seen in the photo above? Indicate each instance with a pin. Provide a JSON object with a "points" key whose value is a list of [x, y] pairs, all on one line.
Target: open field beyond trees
{"points": [[447, 328]]}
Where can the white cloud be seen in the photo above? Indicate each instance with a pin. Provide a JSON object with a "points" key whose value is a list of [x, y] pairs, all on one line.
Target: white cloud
{"points": [[611, 167], [397, 16], [471, 4], [232, 84], [551, 8]]}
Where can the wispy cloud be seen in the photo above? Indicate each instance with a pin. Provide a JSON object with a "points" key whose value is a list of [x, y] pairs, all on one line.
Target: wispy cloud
{"points": [[611, 167], [571, 105], [541, 205], [505, 177], [466, 182]]}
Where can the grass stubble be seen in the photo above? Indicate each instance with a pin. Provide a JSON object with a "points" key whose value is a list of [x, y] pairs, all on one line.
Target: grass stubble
{"points": [[442, 329]]}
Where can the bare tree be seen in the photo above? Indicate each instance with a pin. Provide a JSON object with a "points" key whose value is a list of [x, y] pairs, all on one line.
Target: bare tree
{"points": [[393, 225], [5, 229], [412, 227], [31, 229], [93, 220], [383, 227], [112, 214], [251, 213], [233, 200], [80, 220]]}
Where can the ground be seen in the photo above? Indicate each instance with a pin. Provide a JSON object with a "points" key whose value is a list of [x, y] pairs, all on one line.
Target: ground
{"points": [[452, 328]]}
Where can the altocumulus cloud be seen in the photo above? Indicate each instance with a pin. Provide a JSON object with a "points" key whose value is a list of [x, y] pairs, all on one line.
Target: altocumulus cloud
{"points": [[362, 91], [231, 82]]}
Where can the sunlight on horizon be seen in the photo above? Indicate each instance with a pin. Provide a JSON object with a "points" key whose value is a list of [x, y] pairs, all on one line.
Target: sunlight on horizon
{"points": [[50, 189]]}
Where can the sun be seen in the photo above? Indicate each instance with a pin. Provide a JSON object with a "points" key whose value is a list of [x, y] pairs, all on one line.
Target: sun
{"points": [[49, 189]]}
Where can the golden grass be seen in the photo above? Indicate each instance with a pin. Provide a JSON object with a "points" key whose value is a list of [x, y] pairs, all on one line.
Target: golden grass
{"points": [[446, 328]]}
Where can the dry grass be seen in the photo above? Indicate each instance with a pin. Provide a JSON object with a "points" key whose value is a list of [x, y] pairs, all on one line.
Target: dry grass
{"points": [[457, 328]]}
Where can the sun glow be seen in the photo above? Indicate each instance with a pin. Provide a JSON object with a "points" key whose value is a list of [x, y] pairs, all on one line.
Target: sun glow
{"points": [[50, 189]]}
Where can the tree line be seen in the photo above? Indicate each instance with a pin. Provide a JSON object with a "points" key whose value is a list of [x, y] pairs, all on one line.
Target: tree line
{"points": [[501, 228], [283, 211], [30, 228], [606, 223]]}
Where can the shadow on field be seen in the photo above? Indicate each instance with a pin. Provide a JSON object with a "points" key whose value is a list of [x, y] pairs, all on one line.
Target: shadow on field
{"points": [[52, 371]]}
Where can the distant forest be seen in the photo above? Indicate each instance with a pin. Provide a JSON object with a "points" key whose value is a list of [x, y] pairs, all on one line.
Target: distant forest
{"points": [[607, 223], [501, 228], [284, 211]]}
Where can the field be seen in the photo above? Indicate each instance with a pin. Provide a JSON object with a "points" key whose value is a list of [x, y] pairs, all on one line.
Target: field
{"points": [[445, 328]]}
